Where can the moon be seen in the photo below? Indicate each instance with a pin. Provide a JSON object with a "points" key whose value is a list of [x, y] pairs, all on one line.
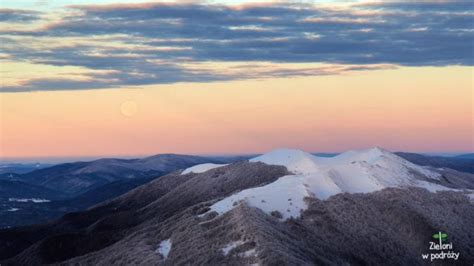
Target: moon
{"points": [[129, 108]]}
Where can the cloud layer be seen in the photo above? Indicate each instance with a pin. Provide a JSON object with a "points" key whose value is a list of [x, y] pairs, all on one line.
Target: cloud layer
{"points": [[139, 44], [12, 15]]}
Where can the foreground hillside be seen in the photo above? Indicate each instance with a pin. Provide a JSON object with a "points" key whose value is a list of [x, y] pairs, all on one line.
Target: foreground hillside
{"points": [[286, 207]]}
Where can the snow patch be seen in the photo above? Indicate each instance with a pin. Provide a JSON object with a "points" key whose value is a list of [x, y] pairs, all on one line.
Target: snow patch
{"points": [[164, 248], [248, 253], [229, 247], [470, 195], [34, 200], [13, 210], [361, 171], [201, 168]]}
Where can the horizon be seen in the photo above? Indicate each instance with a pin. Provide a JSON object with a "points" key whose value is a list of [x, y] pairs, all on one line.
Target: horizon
{"points": [[72, 159]]}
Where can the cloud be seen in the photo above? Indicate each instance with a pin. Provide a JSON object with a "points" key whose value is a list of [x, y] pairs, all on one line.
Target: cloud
{"points": [[16, 15], [158, 42]]}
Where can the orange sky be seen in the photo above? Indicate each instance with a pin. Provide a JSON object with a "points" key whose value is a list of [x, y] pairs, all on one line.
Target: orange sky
{"points": [[428, 109]]}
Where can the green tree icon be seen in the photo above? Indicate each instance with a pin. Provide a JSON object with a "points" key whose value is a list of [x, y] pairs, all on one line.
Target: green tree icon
{"points": [[440, 236]]}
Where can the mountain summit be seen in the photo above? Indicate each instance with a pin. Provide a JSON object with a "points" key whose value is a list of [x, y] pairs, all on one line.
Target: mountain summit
{"points": [[360, 171]]}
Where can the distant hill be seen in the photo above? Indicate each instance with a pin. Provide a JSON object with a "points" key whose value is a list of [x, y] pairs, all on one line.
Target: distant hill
{"points": [[10, 176], [79, 177], [21, 168], [18, 189], [465, 156], [22, 203], [82, 185], [100, 194], [461, 164], [22, 210]]}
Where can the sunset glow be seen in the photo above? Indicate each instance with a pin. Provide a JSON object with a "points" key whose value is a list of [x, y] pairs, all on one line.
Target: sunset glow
{"points": [[411, 109], [69, 90]]}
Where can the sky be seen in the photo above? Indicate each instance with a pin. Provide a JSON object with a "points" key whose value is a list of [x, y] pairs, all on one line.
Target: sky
{"points": [[118, 77]]}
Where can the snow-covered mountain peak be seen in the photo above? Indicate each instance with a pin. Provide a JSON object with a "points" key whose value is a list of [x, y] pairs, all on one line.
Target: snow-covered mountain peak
{"points": [[375, 152], [380, 162], [361, 171], [296, 161], [367, 155]]}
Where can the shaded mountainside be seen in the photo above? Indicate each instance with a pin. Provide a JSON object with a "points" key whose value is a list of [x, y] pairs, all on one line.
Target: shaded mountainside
{"points": [[18, 189], [22, 203], [27, 213], [80, 233], [462, 164], [103, 193], [172, 213], [341, 230]]}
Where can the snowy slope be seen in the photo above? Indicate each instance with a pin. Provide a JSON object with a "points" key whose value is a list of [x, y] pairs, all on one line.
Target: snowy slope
{"points": [[352, 172], [201, 168], [164, 248], [296, 161]]}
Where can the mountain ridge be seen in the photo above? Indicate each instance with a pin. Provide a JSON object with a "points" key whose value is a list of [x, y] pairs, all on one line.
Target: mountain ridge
{"points": [[177, 209], [82, 176], [358, 171]]}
